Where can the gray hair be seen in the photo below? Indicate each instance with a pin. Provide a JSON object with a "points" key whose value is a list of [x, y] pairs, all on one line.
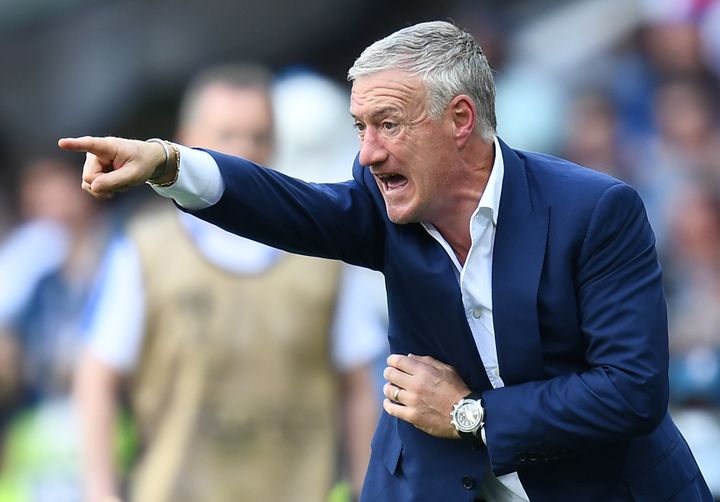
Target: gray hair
{"points": [[238, 76], [449, 61]]}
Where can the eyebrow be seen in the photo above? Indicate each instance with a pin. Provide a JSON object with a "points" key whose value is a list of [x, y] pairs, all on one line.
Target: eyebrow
{"points": [[380, 112]]}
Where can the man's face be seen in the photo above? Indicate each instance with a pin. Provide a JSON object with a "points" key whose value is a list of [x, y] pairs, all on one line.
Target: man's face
{"points": [[237, 121], [406, 150], [48, 191]]}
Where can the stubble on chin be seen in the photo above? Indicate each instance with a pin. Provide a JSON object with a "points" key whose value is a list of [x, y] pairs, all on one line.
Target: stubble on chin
{"points": [[398, 216]]}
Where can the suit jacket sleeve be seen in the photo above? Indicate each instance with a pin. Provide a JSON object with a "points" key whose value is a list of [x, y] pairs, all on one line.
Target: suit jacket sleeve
{"points": [[623, 392], [336, 220]]}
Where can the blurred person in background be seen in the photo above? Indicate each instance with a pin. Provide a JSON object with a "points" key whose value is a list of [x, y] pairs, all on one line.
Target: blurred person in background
{"points": [[666, 45], [240, 368], [591, 137], [49, 265], [316, 151], [692, 260], [303, 150], [686, 111], [685, 146], [692, 276]]}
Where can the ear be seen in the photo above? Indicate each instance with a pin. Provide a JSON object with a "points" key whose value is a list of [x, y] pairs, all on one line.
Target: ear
{"points": [[464, 116]]}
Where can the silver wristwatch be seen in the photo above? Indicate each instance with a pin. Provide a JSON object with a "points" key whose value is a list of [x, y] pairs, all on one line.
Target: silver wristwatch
{"points": [[468, 417]]}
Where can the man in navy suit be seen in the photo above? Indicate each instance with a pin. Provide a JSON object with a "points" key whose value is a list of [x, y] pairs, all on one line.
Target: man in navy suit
{"points": [[527, 319]]}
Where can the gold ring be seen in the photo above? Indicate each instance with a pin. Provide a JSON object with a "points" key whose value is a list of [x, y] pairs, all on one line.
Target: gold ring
{"points": [[396, 394]]}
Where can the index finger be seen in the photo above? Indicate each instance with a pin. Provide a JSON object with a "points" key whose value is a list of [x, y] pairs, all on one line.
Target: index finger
{"points": [[102, 147]]}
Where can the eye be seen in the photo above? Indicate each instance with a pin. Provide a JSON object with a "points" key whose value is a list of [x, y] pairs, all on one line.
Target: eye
{"points": [[359, 126], [388, 126]]}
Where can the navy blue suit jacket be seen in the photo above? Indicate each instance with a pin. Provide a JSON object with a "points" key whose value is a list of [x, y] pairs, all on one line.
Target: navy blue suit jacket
{"points": [[580, 326]]}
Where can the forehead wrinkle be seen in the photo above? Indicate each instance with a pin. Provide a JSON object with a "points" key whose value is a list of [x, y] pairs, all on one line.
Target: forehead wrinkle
{"points": [[404, 107], [388, 94]]}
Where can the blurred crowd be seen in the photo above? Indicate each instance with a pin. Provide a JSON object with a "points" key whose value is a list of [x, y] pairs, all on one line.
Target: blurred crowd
{"points": [[641, 103]]}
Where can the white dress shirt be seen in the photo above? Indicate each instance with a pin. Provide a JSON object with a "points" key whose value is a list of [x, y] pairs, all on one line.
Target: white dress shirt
{"points": [[200, 185]]}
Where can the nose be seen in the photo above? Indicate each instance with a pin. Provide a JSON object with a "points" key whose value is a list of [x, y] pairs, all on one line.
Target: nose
{"points": [[372, 150]]}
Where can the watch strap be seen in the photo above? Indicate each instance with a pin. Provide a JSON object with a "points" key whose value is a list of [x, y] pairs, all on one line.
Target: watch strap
{"points": [[477, 396]]}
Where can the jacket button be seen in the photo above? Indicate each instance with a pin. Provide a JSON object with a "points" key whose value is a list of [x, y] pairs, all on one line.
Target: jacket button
{"points": [[468, 482]]}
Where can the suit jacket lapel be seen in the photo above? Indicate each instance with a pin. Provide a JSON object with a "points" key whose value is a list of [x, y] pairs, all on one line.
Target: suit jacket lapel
{"points": [[518, 256]]}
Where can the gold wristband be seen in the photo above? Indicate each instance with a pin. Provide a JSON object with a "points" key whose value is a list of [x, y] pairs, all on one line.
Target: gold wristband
{"points": [[167, 147]]}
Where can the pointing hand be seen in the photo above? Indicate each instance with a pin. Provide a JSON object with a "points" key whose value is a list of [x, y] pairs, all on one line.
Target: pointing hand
{"points": [[115, 164]]}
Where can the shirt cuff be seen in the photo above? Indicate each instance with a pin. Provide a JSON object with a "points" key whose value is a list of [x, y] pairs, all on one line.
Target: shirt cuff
{"points": [[199, 183]]}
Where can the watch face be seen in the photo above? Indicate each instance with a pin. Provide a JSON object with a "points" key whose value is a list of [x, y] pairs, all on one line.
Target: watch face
{"points": [[467, 416]]}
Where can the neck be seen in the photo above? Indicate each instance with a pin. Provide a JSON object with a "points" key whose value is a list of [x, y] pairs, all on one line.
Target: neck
{"points": [[462, 202], [460, 242]]}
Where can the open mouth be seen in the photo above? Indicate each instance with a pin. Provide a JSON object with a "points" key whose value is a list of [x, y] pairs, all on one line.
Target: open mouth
{"points": [[392, 182]]}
